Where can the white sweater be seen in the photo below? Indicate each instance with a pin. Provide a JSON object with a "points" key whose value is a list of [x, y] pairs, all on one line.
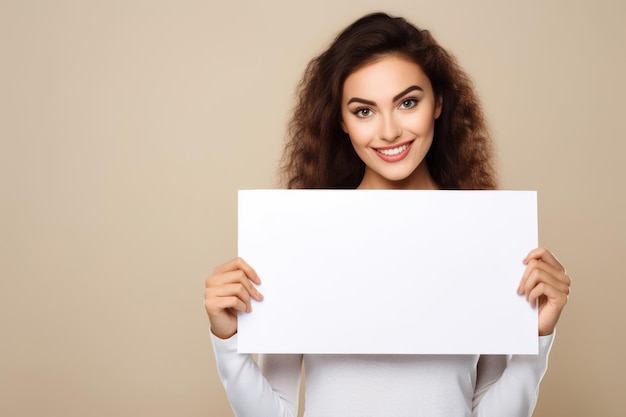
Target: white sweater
{"points": [[382, 385]]}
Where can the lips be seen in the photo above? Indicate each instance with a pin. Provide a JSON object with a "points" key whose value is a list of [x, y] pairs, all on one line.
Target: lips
{"points": [[394, 153]]}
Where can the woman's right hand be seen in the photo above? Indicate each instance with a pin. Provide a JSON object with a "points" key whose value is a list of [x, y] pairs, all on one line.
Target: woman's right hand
{"points": [[228, 291]]}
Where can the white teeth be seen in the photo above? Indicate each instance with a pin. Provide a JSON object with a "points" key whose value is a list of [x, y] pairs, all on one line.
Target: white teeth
{"points": [[394, 151]]}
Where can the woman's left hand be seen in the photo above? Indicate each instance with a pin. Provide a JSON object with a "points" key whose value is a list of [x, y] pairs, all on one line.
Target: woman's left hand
{"points": [[546, 284]]}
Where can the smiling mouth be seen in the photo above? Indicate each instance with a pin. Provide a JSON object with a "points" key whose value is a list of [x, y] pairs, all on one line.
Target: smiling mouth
{"points": [[394, 151], [394, 154]]}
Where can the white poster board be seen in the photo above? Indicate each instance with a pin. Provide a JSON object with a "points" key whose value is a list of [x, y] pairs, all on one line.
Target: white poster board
{"points": [[388, 272]]}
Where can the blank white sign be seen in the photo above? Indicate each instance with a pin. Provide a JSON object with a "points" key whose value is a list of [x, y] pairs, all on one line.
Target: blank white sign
{"points": [[388, 272]]}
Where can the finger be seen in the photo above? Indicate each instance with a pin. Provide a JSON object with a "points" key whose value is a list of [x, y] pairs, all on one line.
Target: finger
{"points": [[554, 296], [535, 265], [543, 254], [234, 277], [221, 304], [538, 276], [235, 264], [230, 290]]}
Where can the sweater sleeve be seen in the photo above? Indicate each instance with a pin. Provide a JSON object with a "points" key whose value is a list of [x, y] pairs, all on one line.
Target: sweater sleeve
{"points": [[509, 386], [271, 389]]}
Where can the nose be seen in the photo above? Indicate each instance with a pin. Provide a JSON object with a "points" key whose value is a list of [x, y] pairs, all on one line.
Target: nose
{"points": [[390, 130]]}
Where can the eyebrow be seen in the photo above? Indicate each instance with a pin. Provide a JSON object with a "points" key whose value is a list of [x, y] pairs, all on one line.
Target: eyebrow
{"points": [[395, 98]]}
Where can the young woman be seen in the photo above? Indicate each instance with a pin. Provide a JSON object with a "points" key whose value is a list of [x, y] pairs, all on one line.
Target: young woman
{"points": [[384, 107]]}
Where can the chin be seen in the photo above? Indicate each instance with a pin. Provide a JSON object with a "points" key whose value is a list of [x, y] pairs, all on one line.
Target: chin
{"points": [[401, 175]]}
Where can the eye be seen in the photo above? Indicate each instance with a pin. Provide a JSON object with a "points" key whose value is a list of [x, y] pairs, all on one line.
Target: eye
{"points": [[363, 112], [408, 103]]}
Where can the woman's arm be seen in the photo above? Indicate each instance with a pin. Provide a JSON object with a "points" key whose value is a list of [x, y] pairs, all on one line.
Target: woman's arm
{"points": [[270, 389], [509, 386]]}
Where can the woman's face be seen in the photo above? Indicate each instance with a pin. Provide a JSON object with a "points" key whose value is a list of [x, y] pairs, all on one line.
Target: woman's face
{"points": [[388, 109]]}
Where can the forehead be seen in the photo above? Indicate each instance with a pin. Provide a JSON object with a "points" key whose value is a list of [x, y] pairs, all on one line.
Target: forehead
{"points": [[384, 78]]}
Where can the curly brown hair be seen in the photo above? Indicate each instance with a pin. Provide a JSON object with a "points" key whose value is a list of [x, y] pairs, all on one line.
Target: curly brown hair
{"points": [[319, 154]]}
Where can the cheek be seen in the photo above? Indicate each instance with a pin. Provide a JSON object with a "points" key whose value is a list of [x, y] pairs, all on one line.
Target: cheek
{"points": [[422, 123], [360, 133], [359, 138]]}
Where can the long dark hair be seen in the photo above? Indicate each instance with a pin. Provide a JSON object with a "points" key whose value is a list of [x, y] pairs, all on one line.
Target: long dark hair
{"points": [[319, 154]]}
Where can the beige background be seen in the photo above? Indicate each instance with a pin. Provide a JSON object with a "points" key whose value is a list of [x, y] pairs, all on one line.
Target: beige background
{"points": [[126, 128]]}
